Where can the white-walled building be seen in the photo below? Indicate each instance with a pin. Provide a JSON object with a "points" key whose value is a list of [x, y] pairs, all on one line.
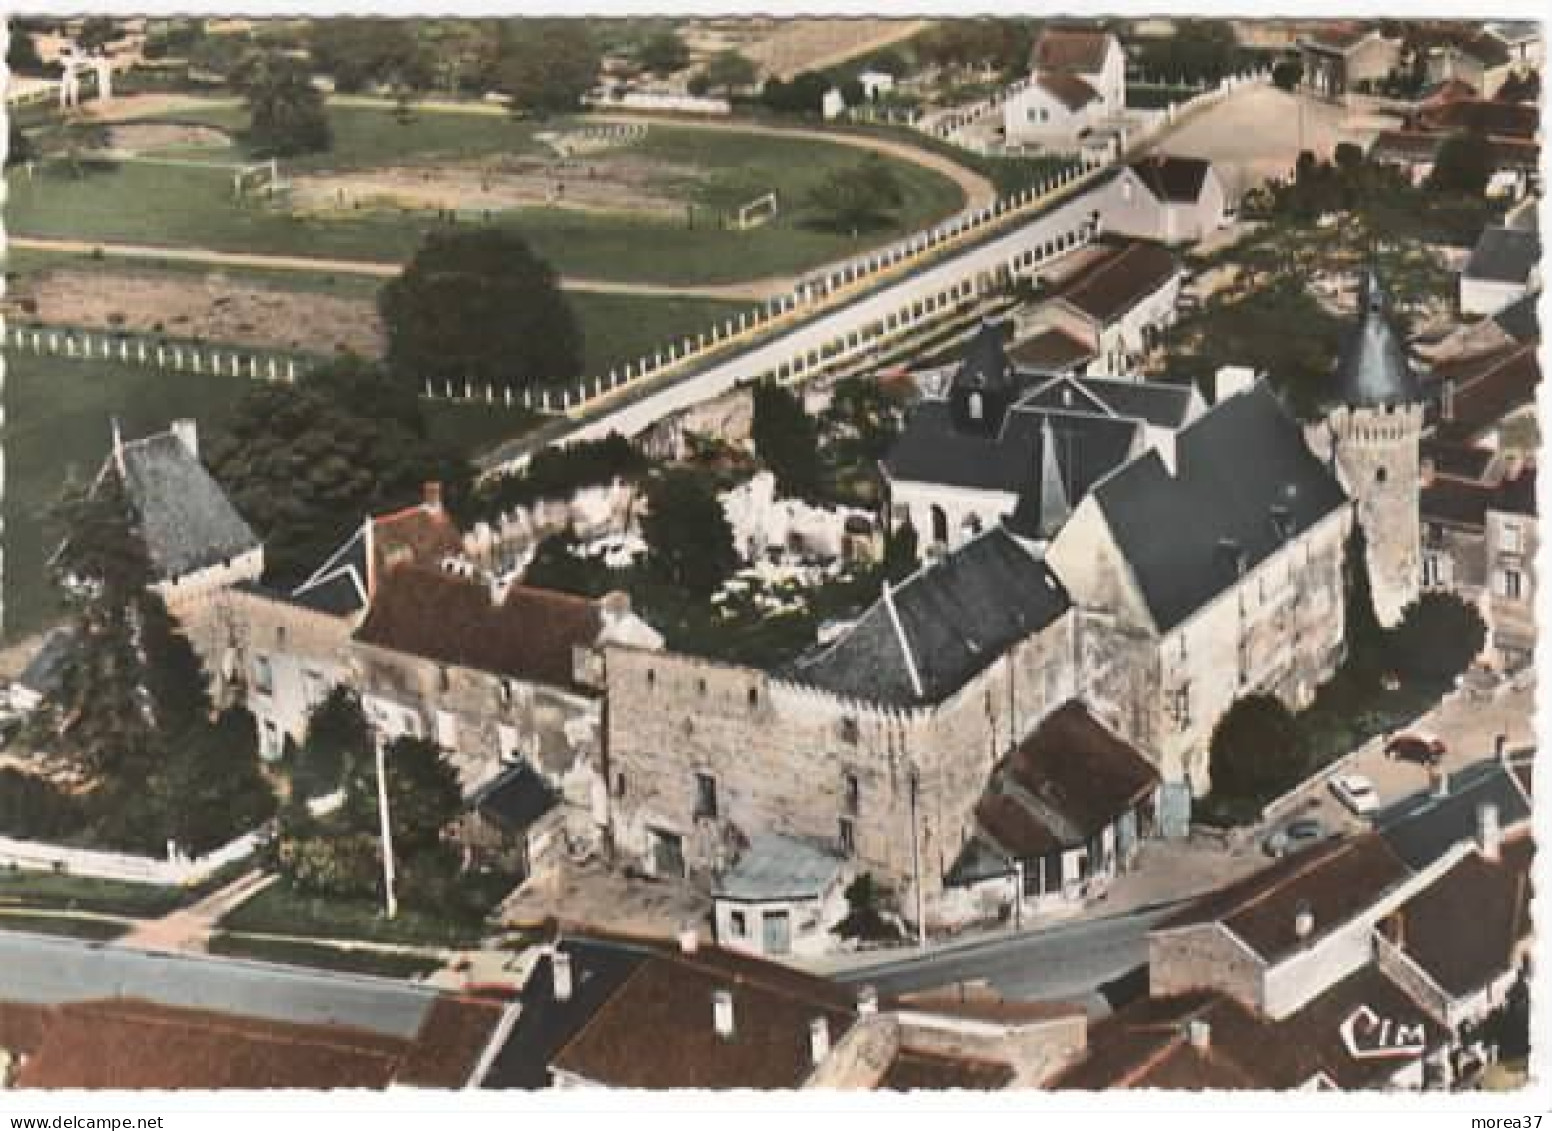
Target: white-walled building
{"points": [[1169, 199], [1077, 82]]}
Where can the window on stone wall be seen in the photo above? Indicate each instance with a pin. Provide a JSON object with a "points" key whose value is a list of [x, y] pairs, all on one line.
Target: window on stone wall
{"points": [[280, 636], [444, 680], [849, 730], [851, 792], [651, 678], [848, 837], [700, 686], [705, 796], [619, 785], [504, 691], [1511, 584], [754, 698], [263, 676], [1509, 541]]}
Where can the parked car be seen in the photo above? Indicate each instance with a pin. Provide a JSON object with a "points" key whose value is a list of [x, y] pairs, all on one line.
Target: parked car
{"points": [[1423, 749], [1357, 793], [1294, 836]]}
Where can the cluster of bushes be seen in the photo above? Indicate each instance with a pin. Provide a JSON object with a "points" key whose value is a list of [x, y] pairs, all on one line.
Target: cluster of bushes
{"points": [[560, 472]]}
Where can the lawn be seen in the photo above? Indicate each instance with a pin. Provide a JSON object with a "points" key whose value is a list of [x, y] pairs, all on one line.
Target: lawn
{"points": [[59, 892], [281, 910], [95, 930], [321, 956], [193, 207]]}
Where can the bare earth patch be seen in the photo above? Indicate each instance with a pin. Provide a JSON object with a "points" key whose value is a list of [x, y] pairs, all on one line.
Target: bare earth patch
{"points": [[612, 183], [211, 306], [149, 137]]}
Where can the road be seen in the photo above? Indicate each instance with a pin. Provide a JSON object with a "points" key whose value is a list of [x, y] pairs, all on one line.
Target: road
{"points": [[1061, 963], [43, 970]]}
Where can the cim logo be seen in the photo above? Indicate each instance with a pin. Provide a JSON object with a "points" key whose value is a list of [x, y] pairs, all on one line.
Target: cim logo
{"points": [[1368, 1036]]}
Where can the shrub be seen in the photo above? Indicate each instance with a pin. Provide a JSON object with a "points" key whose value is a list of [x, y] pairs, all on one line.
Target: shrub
{"points": [[1255, 749], [1438, 637], [35, 808]]}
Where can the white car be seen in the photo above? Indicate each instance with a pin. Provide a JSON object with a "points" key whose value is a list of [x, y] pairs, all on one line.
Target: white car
{"points": [[1357, 793]]}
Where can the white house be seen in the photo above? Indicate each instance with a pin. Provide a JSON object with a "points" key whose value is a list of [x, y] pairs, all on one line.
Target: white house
{"points": [[1170, 199], [1504, 266], [783, 897], [1077, 82]]}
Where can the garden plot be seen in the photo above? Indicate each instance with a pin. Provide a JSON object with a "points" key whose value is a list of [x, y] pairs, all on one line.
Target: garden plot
{"points": [[212, 307], [615, 181], [149, 138]]}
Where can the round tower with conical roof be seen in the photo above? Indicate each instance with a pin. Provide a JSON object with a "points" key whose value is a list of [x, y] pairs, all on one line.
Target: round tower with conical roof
{"points": [[1371, 433]]}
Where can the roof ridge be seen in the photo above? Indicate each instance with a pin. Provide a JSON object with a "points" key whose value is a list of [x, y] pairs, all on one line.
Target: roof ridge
{"points": [[148, 1012], [905, 644], [1317, 859]]}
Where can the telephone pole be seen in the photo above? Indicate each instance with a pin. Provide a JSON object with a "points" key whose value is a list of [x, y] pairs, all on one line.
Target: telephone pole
{"points": [[390, 900]]}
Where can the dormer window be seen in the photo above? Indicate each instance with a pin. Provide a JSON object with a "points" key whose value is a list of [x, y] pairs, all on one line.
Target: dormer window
{"points": [[977, 407]]}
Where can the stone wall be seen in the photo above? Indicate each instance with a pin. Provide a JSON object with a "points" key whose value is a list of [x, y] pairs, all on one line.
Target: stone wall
{"points": [[1204, 956]]}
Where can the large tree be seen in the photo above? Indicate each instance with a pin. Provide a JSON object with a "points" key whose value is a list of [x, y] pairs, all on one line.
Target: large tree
{"points": [[689, 539], [306, 463], [1463, 165], [1438, 637], [338, 739], [664, 52], [787, 440], [423, 795], [1255, 750], [480, 306], [546, 66], [286, 111], [857, 197], [360, 53], [728, 71]]}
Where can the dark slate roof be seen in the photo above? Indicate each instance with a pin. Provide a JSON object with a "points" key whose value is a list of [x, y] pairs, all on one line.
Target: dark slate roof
{"points": [[1421, 828], [339, 586], [1175, 179], [187, 521], [1159, 403], [985, 364], [1118, 279], [43, 672], [1245, 482], [1068, 89], [1455, 502], [516, 798], [926, 638], [1518, 319], [779, 867], [1461, 461], [1372, 368], [544, 1026], [1504, 255]]}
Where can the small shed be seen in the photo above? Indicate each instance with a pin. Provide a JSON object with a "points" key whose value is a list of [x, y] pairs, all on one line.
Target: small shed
{"points": [[782, 897], [513, 821]]}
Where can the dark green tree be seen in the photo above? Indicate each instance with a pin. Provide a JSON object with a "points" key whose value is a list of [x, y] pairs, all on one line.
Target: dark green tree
{"points": [[1463, 165], [689, 539], [96, 33], [786, 439], [900, 553], [803, 96], [857, 197], [1437, 638], [423, 796], [360, 53], [306, 463], [1361, 627], [209, 785], [286, 111], [1287, 74], [480, 306], [338, 738], [663, 53], [546, 66], [22, 56], [558, 564], [19, 148], [1255, 750], [729, 71]]}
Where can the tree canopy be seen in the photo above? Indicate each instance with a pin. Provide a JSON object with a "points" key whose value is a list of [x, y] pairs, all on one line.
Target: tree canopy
{"points": [[1437, 638], [786, 439], [857, 197], [361, 53], [546, 65], [663, 53], [803, 95], [728, 71], [1255, 750], [338, 738], [306, 463], [480, 306], [1463, 165], [423, 795], [689, 539], [286, 111]]}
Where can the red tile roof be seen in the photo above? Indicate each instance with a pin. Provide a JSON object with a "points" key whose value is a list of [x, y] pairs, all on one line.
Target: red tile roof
{"points": [[917, 1070], [530, 635], [449, 1043], [423, 534], [1119, 279], [1334, 882], [1068, 89], [1052, 349], [1477, 392], [1070, 49]]}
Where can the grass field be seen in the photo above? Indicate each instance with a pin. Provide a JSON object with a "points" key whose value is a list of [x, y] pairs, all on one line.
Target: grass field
{"points": [[58, 414], [94, 930], [282, 911], [49, 890], [322, 957], [193, 207]]}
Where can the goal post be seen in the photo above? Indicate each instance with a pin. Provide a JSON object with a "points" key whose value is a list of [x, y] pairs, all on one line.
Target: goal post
{"points": [[259, 179], [758, 211]]}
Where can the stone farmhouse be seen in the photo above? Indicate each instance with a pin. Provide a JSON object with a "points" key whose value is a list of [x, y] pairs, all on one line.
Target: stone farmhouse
{"points": [[1077, 83], [1173, 200], [1353, 964], [1341, 58]]}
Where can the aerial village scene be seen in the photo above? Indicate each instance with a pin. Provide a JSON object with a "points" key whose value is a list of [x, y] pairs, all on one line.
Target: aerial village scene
{"points": [[754, 553]]}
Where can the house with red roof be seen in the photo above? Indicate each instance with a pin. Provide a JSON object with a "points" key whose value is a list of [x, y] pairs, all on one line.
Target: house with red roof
{"points": [[1077, 81]]}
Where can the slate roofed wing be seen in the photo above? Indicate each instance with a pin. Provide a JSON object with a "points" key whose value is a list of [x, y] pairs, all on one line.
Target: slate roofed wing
{"points": [[186, 519]]}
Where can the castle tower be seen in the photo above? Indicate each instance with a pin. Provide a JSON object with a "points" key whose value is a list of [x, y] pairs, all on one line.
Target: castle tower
{"points": [[1371, 432]]}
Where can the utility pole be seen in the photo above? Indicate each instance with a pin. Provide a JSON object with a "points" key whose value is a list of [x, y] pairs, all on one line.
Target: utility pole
{"points": [[1018, 895], [390, 900], [921, 913]]}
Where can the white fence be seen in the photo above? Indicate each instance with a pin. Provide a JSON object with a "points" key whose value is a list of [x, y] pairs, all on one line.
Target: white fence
{"points": [[140, 349], [176, 869], [663, 103]]}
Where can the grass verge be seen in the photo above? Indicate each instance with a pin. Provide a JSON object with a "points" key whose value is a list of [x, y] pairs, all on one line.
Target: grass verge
{"points": [[281, 910], [322, 956]]}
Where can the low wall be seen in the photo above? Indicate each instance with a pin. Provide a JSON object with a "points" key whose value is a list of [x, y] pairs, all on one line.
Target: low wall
{"points": [[174, 871]]}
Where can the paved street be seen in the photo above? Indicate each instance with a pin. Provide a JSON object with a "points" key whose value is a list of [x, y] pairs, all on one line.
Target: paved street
{"points": [[44, 970]]}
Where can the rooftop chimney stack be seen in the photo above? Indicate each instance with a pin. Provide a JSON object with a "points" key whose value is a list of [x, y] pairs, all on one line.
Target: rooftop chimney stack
{"points": [[722, 1014], [689, 940], [867, 1001], [1488, 833], [1199, 1032], [560, 972], [431, 495], [1440, 782], [1303, 922], [818, 1040], [1231, 380], [187, 433]]}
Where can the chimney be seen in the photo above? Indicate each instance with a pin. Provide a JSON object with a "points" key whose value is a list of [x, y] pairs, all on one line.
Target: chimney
{"points": [[1447, 410], [1231, 380], [1501, 748], [1398, 930], [1199, 1032], [560, 973], [1440, 783], [1427, 471], [1513, 465], [187, 433], [722, 1014], [1487, 831], [818, 1040], [689, 940], [867, 1001], [431, 496], [1303, 922]]}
